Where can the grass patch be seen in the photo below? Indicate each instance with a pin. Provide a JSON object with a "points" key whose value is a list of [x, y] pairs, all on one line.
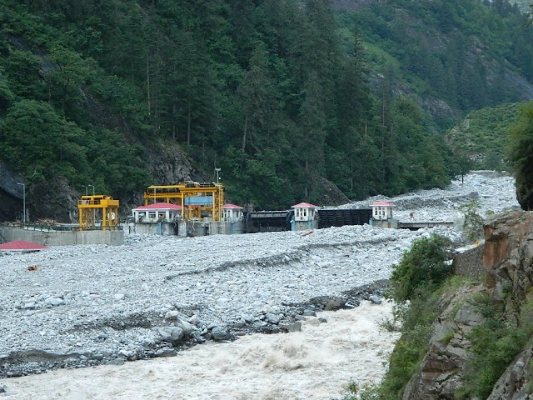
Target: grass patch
{"points": [[422, 285], [366, 392], [495, 343], [410, 349]]}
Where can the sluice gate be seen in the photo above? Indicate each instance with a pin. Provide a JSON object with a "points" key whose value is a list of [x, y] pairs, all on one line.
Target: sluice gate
{"points": [[414, 226], [341, 217], [268, 221]]}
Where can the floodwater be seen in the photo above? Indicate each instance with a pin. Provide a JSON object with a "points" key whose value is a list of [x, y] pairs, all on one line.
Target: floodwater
{"points": [[309, 365]]}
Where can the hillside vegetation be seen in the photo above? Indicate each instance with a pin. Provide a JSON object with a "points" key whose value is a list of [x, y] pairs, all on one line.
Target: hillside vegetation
{"points": [[282, 96], [483, 136]]}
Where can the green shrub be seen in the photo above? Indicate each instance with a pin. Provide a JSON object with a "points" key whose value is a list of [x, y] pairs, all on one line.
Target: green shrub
{"points": [[409, 351], [424, 266], [417, 287], [473, 225], [353, 391], [495, 343]]}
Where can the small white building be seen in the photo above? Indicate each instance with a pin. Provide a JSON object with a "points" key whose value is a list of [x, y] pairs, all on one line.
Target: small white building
{"points": [[382, 210], [232, 213], [157, 212], [304, 217], [231, 222], [382, 214], [157, 218]]}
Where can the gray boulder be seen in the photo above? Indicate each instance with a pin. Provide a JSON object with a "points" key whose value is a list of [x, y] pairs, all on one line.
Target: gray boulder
{"points": [[170, 333], [219, 333]]}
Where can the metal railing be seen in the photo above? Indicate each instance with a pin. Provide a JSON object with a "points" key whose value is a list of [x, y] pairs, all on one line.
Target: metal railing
{"points": [[64, 228]]}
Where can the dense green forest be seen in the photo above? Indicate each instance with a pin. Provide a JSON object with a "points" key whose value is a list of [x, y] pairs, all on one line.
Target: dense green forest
{"points": [[283, 96]]}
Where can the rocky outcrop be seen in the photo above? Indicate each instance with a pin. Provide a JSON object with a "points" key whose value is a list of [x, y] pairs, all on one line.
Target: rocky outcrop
{"points": [[517, 382], [508, 255], [508, 262], [440, 372], [10, 192], [169, 164]]}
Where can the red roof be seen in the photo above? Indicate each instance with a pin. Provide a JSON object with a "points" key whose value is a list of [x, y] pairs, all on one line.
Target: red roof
{"points": [[158, 206], [304, 205], [21, 245], [228, 206], [382, 204]]}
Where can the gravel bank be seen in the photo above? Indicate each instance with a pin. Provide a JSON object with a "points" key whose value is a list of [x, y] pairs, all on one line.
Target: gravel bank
{"points": [[87, 305]]}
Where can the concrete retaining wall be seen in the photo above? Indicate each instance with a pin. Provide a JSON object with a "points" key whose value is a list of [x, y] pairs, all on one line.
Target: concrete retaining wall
{"points": [[184, 228], [67, 238], [304, 225], [226, 228], [161, 228], [469, 262]]}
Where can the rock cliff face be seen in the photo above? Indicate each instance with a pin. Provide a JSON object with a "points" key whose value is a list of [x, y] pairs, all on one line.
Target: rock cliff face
{"points": [[57, 200], [508, 255], [440, 373], [10, 193], [508, 262]]}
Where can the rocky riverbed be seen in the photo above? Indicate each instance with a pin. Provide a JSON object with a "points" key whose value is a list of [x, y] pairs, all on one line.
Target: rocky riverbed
{"points": [[79, 306], [85, 305]]}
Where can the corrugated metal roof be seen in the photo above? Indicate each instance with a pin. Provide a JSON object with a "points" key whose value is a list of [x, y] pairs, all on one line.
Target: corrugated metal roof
{"points": [[158, 206]]}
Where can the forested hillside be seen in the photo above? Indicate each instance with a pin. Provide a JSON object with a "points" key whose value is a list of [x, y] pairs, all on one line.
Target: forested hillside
{"points": [[483, 136], [522, 4], [286, 97]]}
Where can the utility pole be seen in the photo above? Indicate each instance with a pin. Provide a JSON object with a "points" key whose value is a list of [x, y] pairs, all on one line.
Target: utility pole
{"points": [[23, 202], [94, 210]]}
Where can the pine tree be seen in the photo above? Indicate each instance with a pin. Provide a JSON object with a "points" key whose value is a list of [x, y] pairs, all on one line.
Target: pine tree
{"points": [[258, 101]]}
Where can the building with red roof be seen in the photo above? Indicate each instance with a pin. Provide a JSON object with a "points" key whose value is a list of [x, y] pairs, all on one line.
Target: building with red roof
{"points": [[304, 217], [232, 213], [156, 212], [382, 210], [22, 246]]}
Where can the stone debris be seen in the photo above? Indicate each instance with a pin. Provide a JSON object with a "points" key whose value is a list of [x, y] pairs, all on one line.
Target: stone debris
{"points": [[155, 295]]}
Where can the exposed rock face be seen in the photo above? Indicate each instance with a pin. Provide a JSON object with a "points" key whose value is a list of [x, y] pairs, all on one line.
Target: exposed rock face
{"points": [[508, 262], [170, 165], [10, 193], [508, 259], [331, 194], [54, 199], [515, 383], [439, 374], [508, 255]]}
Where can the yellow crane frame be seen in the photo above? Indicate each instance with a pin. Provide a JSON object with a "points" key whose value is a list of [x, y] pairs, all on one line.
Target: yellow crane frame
{"points": [[87, 211], [185, 192]]}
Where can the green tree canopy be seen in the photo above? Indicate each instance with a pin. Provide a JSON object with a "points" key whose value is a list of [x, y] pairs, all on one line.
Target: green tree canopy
{"points": [[521, 157]]}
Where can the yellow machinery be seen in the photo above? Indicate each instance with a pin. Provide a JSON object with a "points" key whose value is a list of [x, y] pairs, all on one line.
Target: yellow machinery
{"points": [[101, 206], [197, 200]]}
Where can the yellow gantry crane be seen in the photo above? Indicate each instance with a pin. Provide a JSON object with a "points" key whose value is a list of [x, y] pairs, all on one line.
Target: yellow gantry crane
{"points": [[98, 206], [198, 200]]}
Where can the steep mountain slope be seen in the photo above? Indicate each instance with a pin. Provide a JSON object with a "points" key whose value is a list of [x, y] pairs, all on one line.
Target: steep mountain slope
{"points": [[483, 135], [455, 56], [524, 5], [289, 101]]}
